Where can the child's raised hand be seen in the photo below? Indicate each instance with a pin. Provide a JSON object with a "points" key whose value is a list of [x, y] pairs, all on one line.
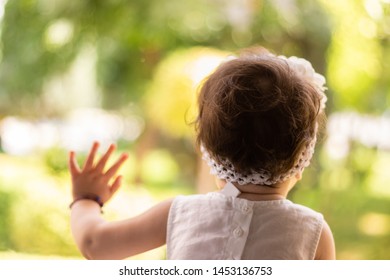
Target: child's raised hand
{"points": [[93, 179]]}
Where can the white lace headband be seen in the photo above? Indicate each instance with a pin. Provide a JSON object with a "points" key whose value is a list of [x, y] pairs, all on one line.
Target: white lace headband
{"points": [[225, 170]]}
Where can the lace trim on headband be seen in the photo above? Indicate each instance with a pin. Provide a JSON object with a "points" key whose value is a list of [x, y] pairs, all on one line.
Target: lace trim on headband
{"points": [[226, 171]]}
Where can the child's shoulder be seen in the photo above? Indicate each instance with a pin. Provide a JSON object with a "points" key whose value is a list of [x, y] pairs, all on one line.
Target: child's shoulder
{"points": [[303, 208], [296, 218], [300, 211]]}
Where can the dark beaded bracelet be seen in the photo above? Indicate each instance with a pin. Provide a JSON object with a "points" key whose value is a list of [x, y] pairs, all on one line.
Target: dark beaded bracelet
{"points": [[92, 197]]}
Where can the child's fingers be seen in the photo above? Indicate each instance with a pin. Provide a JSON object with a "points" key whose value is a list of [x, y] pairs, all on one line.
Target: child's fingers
{"points": [[73, 165], [102, 162], [112, 171], [91, 156]]}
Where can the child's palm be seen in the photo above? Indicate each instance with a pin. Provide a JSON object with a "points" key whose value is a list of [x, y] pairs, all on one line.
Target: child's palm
{"points": [[92, 179]]}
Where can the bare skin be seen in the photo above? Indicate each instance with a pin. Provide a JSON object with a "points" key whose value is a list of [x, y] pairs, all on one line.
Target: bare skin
{"points": [[100, 239]]}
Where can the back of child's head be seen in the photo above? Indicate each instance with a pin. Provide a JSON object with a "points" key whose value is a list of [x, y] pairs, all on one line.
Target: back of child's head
{"points": [[258, 117]]}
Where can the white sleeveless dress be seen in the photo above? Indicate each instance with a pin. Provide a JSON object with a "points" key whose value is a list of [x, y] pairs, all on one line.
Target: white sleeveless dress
{"points": [[216, 226]]}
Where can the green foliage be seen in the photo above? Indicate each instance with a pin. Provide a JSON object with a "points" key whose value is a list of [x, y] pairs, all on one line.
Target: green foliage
{"points": [[28, 57], [41, 39], [7, 197], [56, 160], [41, 225], [360, 44], [34, 212]]}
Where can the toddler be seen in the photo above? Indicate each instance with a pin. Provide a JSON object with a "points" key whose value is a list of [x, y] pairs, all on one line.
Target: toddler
{"points": [[258, 119]]}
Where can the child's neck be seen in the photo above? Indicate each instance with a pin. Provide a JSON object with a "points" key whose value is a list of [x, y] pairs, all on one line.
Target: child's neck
{"points": [[260, 193], [256, 192]]}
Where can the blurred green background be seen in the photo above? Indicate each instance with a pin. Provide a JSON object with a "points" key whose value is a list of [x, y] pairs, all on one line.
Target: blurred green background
{"points": [[126, 71]]}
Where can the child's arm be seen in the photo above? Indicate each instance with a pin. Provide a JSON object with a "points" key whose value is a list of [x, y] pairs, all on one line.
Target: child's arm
{"points": [[326, 248], [97, 238]]}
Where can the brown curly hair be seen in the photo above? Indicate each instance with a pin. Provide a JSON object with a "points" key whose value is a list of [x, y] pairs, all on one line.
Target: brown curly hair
{"points": [[256, 112]]}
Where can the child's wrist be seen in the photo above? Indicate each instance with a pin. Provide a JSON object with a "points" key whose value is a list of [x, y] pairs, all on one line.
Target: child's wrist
{"points": [[89, 196]]}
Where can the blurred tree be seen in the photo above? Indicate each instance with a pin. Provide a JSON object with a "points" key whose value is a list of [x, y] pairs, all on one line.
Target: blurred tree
{"points": [[41, 38]]}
